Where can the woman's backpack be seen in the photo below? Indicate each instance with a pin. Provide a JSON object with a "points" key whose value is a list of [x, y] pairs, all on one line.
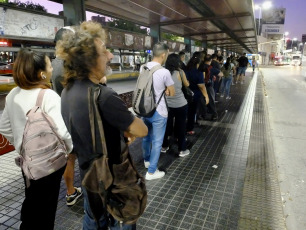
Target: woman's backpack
{"points": [[226, 71], [120, 187], [42, 151]]}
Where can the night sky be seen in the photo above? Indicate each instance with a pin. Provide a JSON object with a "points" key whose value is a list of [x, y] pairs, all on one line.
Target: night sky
{"points": [[295, 21]]}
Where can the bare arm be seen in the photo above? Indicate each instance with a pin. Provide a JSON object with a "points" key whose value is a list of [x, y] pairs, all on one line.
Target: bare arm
{"points": [[185, 81], [204, 92], [170, 91], [137, 129]]}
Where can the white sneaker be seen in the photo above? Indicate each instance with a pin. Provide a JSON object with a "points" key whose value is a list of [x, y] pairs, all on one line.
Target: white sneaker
{"points": [[164, 150], [156, 175], [184, 153], [227, 98], [146, 164], [222, 95]]}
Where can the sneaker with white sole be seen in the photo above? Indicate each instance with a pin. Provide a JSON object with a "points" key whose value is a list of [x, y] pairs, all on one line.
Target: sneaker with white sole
{"points": [[164, 149], [222, 95], [156, 175], [184, 153], [73, 198], [228, 98], [146, 164]]}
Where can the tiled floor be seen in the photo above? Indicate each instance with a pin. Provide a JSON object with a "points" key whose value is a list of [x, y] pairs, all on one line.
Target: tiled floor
{"points": [[200, 191]]}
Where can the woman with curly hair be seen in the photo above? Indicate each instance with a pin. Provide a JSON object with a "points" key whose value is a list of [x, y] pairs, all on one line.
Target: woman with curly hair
{"points": [[85, 64]]}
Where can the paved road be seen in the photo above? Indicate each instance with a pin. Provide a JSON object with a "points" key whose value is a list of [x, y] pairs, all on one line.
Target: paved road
{"points": [[286, 101]]}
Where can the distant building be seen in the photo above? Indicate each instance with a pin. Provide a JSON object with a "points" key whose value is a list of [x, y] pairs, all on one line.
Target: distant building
{"points": [[303, 38], [99, 19]]}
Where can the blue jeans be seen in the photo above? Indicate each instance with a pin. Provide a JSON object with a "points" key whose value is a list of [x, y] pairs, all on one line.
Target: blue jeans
{"points": [[89, 222], [226, 85], [152, 143]]}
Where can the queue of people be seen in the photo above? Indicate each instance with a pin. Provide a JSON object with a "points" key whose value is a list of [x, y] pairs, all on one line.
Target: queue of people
{"points": [[83, 62]]}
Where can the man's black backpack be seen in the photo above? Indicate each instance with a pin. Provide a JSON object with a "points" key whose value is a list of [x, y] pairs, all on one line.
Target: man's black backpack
{"points": [[143, 100], [119, 187]]}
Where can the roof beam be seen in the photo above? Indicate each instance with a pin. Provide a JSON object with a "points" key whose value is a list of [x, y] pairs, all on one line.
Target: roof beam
{"points": [[218, 32], [190, 20], [224, 39]]}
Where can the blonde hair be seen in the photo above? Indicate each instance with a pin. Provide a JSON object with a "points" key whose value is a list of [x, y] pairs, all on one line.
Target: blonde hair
{"points": [[79, 51]]}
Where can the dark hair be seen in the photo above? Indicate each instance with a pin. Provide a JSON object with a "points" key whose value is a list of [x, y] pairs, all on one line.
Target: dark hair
{"points": [[59, 34], [173, 62], [193, 63], [79, 51], [220, 58], [160, 48], [207, 58], [182, 53], [26, 69], [228, 63], [213, 56]]}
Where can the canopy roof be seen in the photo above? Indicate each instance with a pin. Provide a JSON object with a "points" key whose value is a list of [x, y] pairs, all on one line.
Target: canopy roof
{"points": [[227, 24]]}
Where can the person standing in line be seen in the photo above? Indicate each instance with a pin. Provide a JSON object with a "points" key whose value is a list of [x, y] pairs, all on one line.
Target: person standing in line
{"points": [[85, 63], [152, 143], [177, 107], [73, 193], [228, 71], [32, 72], [182, 60], [196, 80], [243, 65]]}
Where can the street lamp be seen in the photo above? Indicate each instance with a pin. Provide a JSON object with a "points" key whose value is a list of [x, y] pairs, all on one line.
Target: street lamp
{"points": [[294, 39], [266, 5]]}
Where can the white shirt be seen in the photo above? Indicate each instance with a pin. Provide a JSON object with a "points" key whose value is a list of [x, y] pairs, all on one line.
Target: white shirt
{"points": [[18, 103]]}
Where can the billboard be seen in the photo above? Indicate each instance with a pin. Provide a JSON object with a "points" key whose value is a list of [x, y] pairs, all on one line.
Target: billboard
{"points": [[273, 16], [273, 28], [26, 24]]}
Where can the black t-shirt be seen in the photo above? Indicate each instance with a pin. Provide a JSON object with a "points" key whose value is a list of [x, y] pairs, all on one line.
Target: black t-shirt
{"points": [[243, 61], [115, 116]]}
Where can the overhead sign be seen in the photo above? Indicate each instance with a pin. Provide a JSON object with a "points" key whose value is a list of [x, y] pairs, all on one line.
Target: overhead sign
{"points": [[273, 28], [273, 16], [26, 24]]}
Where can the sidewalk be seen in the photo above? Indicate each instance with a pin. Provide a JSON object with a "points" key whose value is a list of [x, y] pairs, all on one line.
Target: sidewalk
{"points": [[227, 182]]}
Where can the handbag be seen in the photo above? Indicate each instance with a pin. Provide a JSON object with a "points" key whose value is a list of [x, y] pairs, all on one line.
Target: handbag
{"points": [[186, 90], [119, 187]]}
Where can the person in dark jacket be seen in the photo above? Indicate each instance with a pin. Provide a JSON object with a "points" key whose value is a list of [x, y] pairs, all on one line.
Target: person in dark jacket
{"points": [[243, 65]]}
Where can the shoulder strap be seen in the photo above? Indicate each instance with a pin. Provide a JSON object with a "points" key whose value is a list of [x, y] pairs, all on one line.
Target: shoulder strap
{"points": [[40, 97], [93, 95]]}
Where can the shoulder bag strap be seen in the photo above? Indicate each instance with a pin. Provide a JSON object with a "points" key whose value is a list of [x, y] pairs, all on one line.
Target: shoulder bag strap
{"points": [[40, 97], [93, 94]]}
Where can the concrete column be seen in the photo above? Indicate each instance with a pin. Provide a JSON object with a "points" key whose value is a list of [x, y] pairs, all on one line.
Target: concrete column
{"points": [[74, 11], [187, 42], [155, 33]]}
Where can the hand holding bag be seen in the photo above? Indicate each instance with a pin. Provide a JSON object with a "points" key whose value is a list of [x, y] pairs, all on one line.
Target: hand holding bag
{"points": [[186, 90]]}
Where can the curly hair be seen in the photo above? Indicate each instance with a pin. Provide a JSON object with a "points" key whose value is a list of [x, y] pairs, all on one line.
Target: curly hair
{"points": [[79, 51], [173, 62]]}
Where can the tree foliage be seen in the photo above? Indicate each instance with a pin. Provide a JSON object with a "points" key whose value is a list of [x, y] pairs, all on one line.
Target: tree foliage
{"points": [[126, 25], [27, 5], [172, 37]]}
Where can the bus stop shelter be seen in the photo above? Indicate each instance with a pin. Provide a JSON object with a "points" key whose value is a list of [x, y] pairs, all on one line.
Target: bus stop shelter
{"points": [[227, 24]]}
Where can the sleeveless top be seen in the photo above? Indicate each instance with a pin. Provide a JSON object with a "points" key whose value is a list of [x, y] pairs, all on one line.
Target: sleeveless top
{"points": [[178, 100]]}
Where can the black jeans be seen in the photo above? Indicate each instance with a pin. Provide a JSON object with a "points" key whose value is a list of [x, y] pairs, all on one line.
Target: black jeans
{"points": [[211, 95], [40, 203], [178, 115], [192, 109]]}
